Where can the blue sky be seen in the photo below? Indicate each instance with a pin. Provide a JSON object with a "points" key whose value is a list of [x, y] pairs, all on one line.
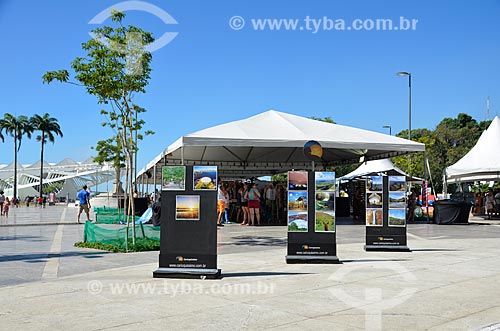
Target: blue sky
{"points": [[211, 74]]}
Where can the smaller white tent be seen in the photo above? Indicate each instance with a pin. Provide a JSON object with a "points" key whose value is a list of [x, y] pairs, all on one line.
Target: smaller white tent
{"points": [[376, 167], [482, 163]]}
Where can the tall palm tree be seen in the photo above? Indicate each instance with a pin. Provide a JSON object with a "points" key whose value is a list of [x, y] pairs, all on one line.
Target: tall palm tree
{"points": [[48, 127], [16, 127]]}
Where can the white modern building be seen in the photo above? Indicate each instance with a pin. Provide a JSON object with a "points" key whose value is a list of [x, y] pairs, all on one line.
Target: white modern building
{"points": [[66, 177]]}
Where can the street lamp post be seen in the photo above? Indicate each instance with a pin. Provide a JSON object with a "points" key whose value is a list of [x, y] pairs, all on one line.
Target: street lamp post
{"points": [[388, 127], [404, 73]]}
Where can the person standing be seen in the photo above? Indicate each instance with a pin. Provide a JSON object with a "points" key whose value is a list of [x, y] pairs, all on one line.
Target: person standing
{"points": [[155, 196], [244, 204], [497, 202], [253, 196], [221, 204], [490, 203], [2, 200], [227, 204], [412, 205], [84, 197], [478, 203], [5, 207]]}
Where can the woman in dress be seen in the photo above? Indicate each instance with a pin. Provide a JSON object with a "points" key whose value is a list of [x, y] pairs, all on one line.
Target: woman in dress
{"points": [[490, 203]]}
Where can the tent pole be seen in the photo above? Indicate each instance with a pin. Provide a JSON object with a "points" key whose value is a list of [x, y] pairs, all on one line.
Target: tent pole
{"points": [[426, 179], [312, 162], [445, 184], [154, 178]]}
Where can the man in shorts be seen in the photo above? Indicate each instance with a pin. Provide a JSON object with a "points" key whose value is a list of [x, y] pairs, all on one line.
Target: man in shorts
{"points": [[84, 197]]}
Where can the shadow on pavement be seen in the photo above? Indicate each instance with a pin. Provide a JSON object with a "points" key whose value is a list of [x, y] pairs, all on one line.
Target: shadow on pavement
{"points": [[255, 241], [435, 250], [24, 238], [39, 256], [374, 260], [262, 273]]}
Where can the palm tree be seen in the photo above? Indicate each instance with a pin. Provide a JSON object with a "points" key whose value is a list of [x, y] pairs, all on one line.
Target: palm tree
{"points": [[16, 127], [48, 127]]}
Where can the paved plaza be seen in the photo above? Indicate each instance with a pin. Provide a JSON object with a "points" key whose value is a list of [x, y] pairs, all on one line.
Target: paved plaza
{"points": [[449, 281]]}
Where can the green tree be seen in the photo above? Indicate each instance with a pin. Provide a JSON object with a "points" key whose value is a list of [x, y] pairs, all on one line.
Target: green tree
{"points": [[293, 227], [16, 127], [54, 187], [115, 69], [327, 119], [280, 178], [110, 151], [445, 145], [49, 128]]}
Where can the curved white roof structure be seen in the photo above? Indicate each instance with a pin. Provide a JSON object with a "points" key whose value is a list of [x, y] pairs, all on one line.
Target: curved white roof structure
{"points": [[482, 163], [68, 176], [273, 142]]}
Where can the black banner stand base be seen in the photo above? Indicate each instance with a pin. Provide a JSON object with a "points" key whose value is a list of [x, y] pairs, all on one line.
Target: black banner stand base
{"points": [[296, 259], [187, 273], [386, 248]]}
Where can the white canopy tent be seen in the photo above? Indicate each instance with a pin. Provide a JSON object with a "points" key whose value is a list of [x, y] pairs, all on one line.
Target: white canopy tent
{"points": [[377, 167], [482, 163], [272, 142]]}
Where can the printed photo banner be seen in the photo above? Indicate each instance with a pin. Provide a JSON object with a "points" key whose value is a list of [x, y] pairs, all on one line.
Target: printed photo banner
{"points": [[374, 201], [205, 178], [297, 201], [397, 201], [324, 202], [173, 178]]}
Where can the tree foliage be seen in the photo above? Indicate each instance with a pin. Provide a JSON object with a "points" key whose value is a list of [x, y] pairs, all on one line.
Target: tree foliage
{"points": [[445, 145], [115, 69], [16, 127], [49, 128], [327, 119]]}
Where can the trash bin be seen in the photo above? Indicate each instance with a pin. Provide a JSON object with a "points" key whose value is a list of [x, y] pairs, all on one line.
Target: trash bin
{"points": [[451, 212]]}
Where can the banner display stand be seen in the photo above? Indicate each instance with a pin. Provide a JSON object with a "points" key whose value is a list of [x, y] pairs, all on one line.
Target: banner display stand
{"points": [[386, 214], [188, 242], [311, 218]]}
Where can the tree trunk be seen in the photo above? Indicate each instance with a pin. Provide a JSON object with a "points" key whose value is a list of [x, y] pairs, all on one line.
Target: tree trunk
{"points": [[132, 179], [14, 193], [125, 216], [41, 164]]}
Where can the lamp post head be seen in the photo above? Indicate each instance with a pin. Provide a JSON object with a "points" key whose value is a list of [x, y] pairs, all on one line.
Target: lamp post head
{"points": [[403, 73]]}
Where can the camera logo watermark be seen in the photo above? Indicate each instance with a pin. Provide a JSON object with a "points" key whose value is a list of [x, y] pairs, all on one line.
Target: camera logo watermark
{"points": [[176, 288], [143, 6], [373, 302], [325, 23], [134, 47]]}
